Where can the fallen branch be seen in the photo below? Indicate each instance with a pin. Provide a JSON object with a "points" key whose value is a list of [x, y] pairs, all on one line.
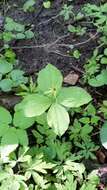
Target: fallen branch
{"points": [[48, 45]]}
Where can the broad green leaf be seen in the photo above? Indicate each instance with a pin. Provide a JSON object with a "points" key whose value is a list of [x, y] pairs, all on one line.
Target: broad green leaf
{"points": [[3, 129], [39, 180], [3, 175], [10, 137], [73, 97], [15, 185], [9, 142], [105, 51], [58, 119], [41, 166], [21, 121], [22, 137], [96, 82], [5, 117], [20, 36], [8, 36], [42, 119], [29, 34], [104, 7], [99, 80], [71, 28], [28, 4], [103, 135], [34, 105], [11, 25], [6, 85], [19, 27], [50, 80], [104, 60], [5, 67], [86, 129]]}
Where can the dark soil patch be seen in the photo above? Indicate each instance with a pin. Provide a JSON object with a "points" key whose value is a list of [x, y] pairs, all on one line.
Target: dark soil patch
{"points": [[48, 30]]}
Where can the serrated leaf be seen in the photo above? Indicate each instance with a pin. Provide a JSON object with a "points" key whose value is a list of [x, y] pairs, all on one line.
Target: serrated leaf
{"points": [[58, 119], [34, 105], [73, 97], [50, 80], [17, 77]]}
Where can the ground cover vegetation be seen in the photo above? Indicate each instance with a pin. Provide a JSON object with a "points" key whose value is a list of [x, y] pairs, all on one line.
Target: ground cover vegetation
{"points": [[53, 102]]}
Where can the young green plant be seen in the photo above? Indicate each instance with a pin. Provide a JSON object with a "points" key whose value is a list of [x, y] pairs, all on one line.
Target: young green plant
{"points": [[54, 99]]}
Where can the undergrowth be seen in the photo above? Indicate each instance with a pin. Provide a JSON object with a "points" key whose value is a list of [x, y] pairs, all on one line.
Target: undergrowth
{"points": [[47, 138]]}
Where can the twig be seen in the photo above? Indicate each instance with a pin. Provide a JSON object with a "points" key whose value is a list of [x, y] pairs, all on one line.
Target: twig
{"points": [[49, 20], [80, 43], [91, 38], [48, 45], [59, 53]]}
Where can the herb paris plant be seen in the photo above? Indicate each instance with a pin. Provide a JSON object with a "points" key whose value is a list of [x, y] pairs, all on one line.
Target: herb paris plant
{"points": [[54, 99]]}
